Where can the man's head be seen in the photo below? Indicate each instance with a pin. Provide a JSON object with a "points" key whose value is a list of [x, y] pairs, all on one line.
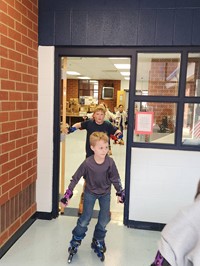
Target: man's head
{"points": [[99, 114]]}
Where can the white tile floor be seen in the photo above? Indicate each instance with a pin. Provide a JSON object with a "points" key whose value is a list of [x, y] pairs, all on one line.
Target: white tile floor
{"points": [[45, 243]]}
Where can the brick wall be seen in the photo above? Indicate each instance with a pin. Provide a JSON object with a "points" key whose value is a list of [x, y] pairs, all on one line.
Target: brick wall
{"points": [[18, 114]]}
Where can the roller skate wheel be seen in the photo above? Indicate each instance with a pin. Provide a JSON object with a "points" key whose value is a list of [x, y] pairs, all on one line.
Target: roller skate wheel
{"points": [[103, 257], [70, 258]]}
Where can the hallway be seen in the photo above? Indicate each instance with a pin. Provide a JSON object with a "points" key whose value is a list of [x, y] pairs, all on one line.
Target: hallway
{"points": [[45, 243]]}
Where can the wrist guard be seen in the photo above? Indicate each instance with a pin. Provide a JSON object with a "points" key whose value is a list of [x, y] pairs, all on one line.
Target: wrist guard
{"points": [[67, 196], [71, 129], [119, 135], [121, 194]]}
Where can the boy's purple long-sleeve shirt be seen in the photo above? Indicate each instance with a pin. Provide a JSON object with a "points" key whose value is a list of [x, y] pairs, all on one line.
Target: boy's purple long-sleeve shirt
{"points": [[99, 177]]}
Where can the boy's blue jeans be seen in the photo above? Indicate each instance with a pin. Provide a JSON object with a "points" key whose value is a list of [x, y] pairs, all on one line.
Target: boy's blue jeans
{"points": [[103, 217]]}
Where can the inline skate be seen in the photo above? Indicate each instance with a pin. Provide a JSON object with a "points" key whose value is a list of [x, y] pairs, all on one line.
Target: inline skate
{"points": [[73, 248], [99, 247]]}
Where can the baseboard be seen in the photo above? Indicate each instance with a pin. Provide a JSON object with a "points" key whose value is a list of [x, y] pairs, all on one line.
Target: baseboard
{"points": [[145, 225], [44, 215], [16, 236]]}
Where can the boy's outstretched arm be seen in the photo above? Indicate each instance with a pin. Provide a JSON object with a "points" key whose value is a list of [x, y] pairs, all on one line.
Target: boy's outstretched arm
{"points": [[73, 128]]}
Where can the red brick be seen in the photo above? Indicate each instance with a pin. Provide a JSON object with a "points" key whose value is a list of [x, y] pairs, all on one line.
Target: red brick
{"points": [[3, 95], [21, 142], [6, 147], [20, 178], [21, 48], [15, 154], [13, 34], [14, 13], [14, 75], [8, 64], [8, 185], [4, 138], [14, 173], [16, 115], [7, 42], [3, 52], [15, 135], [4, 74], [7, 85], [21, 160], [15, 96], [7, 20], [21, 105], [15, 190], [4, 178], [14, 55], [3, 117], [21, 124], [27, 114], [8, 126], [4, 158], [21, 28], [21, 86]]}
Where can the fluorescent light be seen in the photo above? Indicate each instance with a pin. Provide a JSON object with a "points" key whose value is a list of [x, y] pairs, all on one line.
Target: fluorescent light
{"points": [[122, 66], [73, 73], [125, 73], [127, 78], [83, 78]]}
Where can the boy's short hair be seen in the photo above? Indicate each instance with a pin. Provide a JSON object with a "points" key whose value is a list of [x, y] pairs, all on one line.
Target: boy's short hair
{"points": [[97, 136], [100, 108]]}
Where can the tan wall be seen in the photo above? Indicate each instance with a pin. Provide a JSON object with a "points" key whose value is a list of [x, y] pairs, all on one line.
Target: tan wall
{"points": [[18, 114]]}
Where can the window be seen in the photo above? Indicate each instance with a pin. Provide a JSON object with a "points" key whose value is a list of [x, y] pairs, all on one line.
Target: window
{"points": [[88, 91], [163, 104]]}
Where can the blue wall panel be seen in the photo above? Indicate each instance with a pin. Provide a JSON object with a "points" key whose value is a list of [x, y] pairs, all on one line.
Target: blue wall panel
{"points": [[119, 23], [146, 27], [128, 30], [164, 27], [62, 28], [95, 28], [195, 28], [79, 27], [183, 27]]}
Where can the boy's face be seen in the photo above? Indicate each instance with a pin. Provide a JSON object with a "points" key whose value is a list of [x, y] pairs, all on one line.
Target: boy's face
{"points": [[100, 149], [99, 117]]}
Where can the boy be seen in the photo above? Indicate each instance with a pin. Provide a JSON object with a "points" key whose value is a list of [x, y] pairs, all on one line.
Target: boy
{"points": [[98, 123], [100, 173]]}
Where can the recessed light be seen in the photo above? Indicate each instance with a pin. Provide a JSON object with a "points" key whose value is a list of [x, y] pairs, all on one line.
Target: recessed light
{"points": [[83, 78], [73, 73], [122, 66], [125, 73]]}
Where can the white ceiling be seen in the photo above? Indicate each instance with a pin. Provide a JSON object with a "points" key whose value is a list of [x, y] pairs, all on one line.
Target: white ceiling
{"points": [[99, 68]]}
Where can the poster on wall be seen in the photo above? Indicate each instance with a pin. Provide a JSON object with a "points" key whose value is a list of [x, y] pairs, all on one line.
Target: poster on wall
{"points": [[144, 123]]}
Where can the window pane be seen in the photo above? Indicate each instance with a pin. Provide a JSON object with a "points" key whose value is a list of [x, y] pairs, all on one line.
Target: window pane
{"points": [[191, 124], [155, 122], [193, 76], [158, 74]]}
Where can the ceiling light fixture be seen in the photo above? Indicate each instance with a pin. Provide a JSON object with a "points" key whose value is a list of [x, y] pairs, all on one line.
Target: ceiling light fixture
{"points": [[125, 73], [73, 73], [83, 78], [122, 66]]}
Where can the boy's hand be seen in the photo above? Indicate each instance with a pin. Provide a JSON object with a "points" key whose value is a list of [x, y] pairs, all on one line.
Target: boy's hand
{"points": [[121, 196], [67, 196]]}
